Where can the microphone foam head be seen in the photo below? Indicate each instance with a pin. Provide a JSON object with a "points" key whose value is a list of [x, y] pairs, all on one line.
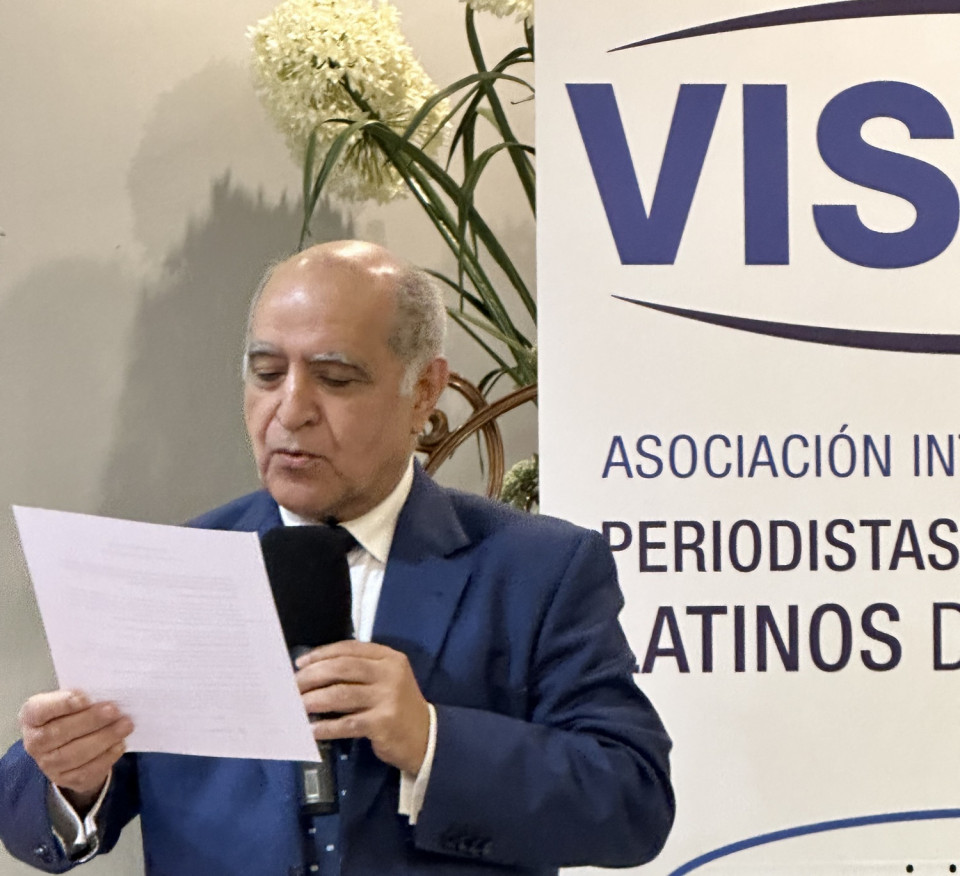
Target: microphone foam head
{"points": [[310, 580]]}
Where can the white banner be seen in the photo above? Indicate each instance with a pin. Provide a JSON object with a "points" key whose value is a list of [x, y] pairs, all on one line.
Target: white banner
{"points": [[750, 352]]}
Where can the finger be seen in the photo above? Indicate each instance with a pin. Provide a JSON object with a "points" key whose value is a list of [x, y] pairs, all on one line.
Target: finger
{"points": [[352, 726], [79, 752], [91, 775], [339, 669], [44, 707], [60, 731], [346, 648], [339, 698]]}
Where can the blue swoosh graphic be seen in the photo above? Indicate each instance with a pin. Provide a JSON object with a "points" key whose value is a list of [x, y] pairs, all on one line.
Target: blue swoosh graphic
{"points": [[836, 11], [891, 342], [819, 827]]}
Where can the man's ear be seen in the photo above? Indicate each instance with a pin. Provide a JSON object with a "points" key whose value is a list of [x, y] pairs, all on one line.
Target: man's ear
{"points": [[431, 382]]}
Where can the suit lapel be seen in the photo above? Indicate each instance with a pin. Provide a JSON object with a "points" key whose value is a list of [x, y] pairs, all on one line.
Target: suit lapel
{"points": [[424, 578], [260, 516], [426, 574]]}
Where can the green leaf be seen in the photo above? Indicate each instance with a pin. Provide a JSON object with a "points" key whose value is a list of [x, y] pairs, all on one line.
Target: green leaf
{"points": [[488, 303], [521, 163], [504, 367], [464, 293], [473, 84], [490, 380], [308, 161], [329, 163], [521, 345], [470, 182]]}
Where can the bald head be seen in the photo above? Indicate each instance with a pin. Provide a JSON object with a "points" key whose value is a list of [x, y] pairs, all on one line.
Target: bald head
{"points": [[419, 319], [342, 372]]}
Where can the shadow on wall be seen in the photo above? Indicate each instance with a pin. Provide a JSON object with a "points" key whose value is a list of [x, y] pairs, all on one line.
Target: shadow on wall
{"points": [[61, 335], [180, 447]]}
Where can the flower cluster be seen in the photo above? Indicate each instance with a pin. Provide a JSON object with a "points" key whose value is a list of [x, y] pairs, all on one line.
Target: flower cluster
{"points": [[520, 9], [314, 61], [521, 485]]}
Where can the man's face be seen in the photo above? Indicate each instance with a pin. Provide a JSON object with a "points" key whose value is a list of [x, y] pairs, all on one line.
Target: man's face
{"points": [[330, 429]]}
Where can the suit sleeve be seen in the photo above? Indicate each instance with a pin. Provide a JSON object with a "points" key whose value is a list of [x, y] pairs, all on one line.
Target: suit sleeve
{"points": [[585, 779], [25, 827]]}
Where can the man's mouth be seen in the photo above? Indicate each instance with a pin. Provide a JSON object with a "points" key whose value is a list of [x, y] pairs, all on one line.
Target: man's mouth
{"points": [[294, 458]]}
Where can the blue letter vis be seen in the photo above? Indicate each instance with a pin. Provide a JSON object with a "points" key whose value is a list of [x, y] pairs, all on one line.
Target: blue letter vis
{"points": [[642, 237], [929, 189]]}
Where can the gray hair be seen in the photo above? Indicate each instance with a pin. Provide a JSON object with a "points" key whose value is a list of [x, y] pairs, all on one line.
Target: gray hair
{"points": [[421, 323], [419, 330], [257, 295]]}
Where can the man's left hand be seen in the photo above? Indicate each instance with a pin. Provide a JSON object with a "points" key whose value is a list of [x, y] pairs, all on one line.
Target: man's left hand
{"points": [[372, 690]]}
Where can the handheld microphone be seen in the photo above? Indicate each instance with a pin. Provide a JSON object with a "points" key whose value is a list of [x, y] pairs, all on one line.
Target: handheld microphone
{"points": [[310, 580]]}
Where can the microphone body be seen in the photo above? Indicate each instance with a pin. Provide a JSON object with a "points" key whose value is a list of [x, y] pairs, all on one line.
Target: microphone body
{"points": [[310, 580]]}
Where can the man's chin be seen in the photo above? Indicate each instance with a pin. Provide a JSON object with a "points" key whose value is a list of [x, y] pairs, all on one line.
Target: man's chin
{"points": [[301, 499]]}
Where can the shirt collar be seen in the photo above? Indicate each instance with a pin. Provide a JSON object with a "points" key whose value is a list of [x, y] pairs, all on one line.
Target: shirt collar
{"points": [[373, 530]]}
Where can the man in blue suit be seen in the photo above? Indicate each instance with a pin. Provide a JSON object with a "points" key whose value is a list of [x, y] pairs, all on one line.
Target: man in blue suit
{"points": [[488, 694]]}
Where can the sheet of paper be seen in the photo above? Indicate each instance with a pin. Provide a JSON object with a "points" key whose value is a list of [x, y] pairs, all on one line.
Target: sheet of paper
{"points": [[176, 625]]}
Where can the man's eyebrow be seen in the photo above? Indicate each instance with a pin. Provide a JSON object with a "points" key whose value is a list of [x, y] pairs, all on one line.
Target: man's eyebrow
{"points": [[337, 358], [260, 348]]}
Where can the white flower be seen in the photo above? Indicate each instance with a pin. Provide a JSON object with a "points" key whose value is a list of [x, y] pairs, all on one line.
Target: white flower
{"points": [[520, 9], [306, 54], [521, 485]]}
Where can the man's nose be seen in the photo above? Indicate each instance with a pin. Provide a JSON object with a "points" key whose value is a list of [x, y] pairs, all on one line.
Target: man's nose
{"points": [[298, 405]]}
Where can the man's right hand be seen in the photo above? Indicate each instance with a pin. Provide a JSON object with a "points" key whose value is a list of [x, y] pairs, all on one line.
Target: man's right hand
{"points": [[74, 742]]}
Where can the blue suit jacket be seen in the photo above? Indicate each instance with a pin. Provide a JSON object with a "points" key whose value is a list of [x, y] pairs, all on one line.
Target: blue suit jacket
{"points": [[547, 753]]}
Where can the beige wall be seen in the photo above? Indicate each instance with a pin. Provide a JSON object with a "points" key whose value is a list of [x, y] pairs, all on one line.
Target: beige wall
{"points": [[141, 191]]}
